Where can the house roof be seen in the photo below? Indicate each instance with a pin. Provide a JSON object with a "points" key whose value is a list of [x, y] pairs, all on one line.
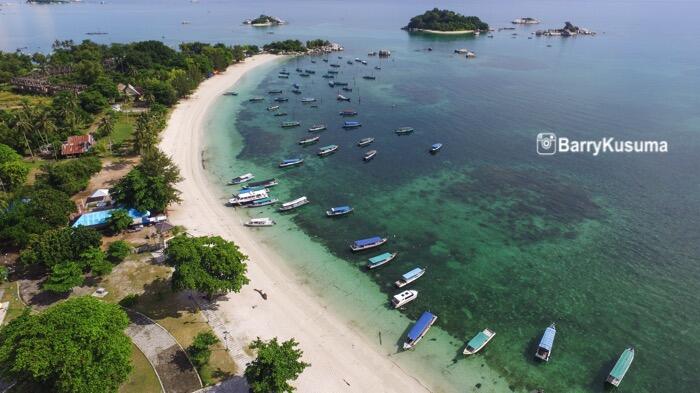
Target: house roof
{"points": [[76, 139], [100, 193]]}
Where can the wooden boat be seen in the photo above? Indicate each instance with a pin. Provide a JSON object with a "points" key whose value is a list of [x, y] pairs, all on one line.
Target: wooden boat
{"points": [[249, 189], [279, 91], [260, 222], [544, 349], [242, 178], [377, 67], [282, 76], [230, 93], [339, 211], [281, 99], [352, 124], [284, 72], [296, 91], [327, 150], [308, 99], [366, 244], [347, 88], [410, 277], [247, 197], [328, 76], [621, 367], [299, 70], [348, 112], [335, 65], [340, 83], [261, 202], [325, 60], [435, 148], [369, 77], [357, 60], [304, 75], [296, 85], [404, 298], [313, 61], [333, 71], [301, 201], [331, 84], [281, 114], [369, 155], [349, 62], [273, 108], [317, 127], [372, 54], [256, 99], [309, 141], [310, 72], [365, 141], [404, 130], [381, 259], [291, 162], [289, 124], [264, 183], [419, 329], [478, 342]]}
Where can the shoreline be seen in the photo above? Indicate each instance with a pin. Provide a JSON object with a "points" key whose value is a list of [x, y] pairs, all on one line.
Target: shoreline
{"points": [[456, 32], [341, 358]]}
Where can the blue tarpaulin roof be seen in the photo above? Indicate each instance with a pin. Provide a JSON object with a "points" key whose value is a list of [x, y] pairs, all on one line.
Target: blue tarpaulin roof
{"points": [[368, 241], [548, 338], [101, 217], [412, 273], [421, 324], [340, 208]]}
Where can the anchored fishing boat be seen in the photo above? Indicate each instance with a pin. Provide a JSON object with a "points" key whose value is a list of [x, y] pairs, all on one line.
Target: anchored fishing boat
{"points": [[273, 108], [247, 197], [333, 72], [366, 244], [317, 127], [352, 124], [264, 183], [435, 148], [291, 162], [309, 141], [301, 201], [310, 71], [403, 298], [260, 222], [242, 178], [290, 124], [296, 91], [369, 155], [419, 329], [410, 277], [348, 112], [262, 202], [335, 65], [377, 67], [279, 91], [479, 341], [343, 98], [308, 99], [620, 368], [230, 93], [381, 259], [544, 349], [337, 83], [403, 130], [365, 141], [256, 99], [369, 77], [295, 85], [338, 211], [249, 189], [349, 89], [281, 99], [327, 150], [283, 76], [328, 76], [278, 114]]}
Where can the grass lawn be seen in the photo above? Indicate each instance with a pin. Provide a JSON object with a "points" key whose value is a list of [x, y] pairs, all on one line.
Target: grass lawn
{"points": [[142, 378], [123, 127], [10, 100], [16, 306]]}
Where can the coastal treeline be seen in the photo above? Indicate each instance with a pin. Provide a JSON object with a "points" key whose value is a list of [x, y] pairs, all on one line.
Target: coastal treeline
{"points": [[445, 20], [295, 46]]}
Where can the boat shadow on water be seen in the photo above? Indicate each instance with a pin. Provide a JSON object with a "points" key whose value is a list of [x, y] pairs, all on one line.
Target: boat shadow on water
{"points": [[529, 352], [598, 383]]}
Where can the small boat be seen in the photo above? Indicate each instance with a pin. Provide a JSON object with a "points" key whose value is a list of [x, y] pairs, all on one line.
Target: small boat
{"points": [[435, 148], [338, 211], [296, 91], [335, 65], [327, 76], [325, 60], [264, 183], [369, 155], [275, 91], [273, 108], [291, 162], [479, 341], [284, 72], [347, 88], [309, 141], [377, 67], [295, 85], [247, 197], [364, 62], [333, 71], [404, 298], [250, 189], [365, 141], [281, 99], [366, 244], [301, 201], [620, 369], [262, 202], [331, 83], [419, 329], [343, 98], [281, 114], [327, 150], [304, 75], [381, 259], [471, 55], [348, 112], [410, 277], [307, 100], [404, 130], [299, 70], [357, 59], [260, 222], [230, 93], [317, 127], [289, 124], [372, 54], [310, 72], [256, 99], [544, 350], [242, 178], [369, 77], [352, 124], [313, 61], [349, 62], [283, 76], [336, 83]]}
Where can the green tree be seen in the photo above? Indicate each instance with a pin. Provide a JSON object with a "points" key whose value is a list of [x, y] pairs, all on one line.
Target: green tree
{"points": [[92, 101], [145, 132], [106, 124], [4, 273], [151, 185], [64, 277], [75, 346], [118, 251], [200, 350], [60, 245], [94, 260], [207, 264], [274, 366], [12, 175], [119, 221], [88, 71], [161, 91], [70, 176], [8, 154]]}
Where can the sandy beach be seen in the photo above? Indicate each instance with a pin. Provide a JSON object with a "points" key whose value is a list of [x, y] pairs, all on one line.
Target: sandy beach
{"points": [[342, 359]]}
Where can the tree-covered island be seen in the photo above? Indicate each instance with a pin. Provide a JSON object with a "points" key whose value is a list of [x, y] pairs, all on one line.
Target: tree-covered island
{"points": [[445, 21]]}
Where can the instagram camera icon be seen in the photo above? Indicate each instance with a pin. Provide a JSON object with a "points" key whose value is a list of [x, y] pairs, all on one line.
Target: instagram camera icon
{"points": [[546, 143]]}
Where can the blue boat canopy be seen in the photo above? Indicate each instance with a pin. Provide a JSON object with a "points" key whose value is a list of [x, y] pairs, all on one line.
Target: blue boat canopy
{"points": [[291, 160], [437, 145], [368, 241], [548, 338], [421, 324], [340, 209], [412, 273], [352, 123]]}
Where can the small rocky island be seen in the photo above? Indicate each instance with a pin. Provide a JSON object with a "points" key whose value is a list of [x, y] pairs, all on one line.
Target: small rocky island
{"points": [[264, 20], [525, 21], [446, 22], [569, 30]]}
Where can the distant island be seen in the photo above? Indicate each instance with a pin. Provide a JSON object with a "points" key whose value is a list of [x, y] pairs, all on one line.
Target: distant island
{"points": [[264, 20], [568, 30], [446, 22], [525, 21]]}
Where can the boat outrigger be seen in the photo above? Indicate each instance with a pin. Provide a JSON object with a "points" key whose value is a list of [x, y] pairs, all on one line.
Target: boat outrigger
{"points": [[291, 162], [317, 127], [419, 329], [478, 342], [290, 124], [410, 277], [381, 259], [435, 148], [327, 150], [301, 201], [404, 298], [260, 222], [262, 202], [544, 349], [352, 124], [369, 155], [338, 211], [365, 141], [404, 130], [242, 178], [620, 368], [366, 244], [309, 141]]}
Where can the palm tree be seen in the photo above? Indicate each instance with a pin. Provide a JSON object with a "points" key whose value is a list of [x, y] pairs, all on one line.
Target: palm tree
{"points": [[25, 123]]}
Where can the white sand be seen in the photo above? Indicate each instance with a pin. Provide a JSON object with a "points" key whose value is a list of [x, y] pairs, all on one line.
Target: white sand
{"points": [[342, 360]]}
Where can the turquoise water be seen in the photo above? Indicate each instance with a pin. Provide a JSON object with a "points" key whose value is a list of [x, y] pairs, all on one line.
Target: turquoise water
{"points": [[607, 247]]}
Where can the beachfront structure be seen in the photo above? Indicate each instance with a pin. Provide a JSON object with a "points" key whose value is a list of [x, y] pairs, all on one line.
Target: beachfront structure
{"points": [[101, 218]]}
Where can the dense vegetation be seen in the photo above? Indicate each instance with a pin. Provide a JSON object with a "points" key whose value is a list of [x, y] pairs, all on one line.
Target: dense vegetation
{"points": [[13, 171], [286, 46], [318, 43], [445, 20], [151, 185], [200, 352], [75, 346], [263, 19], [275, 365]]}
